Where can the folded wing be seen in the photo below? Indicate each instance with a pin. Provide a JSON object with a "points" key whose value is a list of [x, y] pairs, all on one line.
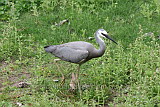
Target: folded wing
{"points": [[67, 53]]}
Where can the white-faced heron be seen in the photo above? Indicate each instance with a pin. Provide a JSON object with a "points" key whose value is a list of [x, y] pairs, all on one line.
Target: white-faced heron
{"points": [[80, 52]]}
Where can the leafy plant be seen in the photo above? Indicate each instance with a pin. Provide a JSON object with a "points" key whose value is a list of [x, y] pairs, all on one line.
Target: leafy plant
{"points": [[127, 74]]}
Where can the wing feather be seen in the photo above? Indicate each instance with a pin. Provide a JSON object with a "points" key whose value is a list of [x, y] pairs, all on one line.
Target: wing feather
{"points": [[70, 54]]}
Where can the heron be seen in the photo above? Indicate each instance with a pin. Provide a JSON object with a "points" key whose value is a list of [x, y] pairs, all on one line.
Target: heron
{"points": [[79, 52]]}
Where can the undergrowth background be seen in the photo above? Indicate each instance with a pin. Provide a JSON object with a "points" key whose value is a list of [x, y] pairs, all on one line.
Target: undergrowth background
{"points": [[127, 74]]}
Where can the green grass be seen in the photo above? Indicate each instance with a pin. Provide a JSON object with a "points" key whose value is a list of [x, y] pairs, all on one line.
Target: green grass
{"points": [[127, 74]]}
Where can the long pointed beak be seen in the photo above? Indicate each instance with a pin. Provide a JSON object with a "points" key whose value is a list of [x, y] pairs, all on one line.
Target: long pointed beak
{"points": [[109, 38]]}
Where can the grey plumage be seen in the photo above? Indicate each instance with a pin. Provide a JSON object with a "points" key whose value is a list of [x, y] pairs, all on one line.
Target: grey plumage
{"points": [[68, 52], [79, 52]]}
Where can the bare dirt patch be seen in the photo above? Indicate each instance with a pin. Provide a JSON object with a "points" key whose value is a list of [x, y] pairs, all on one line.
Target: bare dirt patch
{"points": [[14, 79], [11, 77]]}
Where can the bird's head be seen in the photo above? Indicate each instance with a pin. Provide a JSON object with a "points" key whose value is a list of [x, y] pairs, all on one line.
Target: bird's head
{"points": [[104, 34]]}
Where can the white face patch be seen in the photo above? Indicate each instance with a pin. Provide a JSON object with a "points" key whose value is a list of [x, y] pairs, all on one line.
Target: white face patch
{"points": [[100, 31]]}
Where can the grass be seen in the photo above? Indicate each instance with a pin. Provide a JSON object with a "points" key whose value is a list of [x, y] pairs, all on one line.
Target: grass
{"points": [[127, 74]]}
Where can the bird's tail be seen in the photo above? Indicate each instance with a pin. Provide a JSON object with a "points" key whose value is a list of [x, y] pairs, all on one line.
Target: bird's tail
{"points": [[49, 48]]}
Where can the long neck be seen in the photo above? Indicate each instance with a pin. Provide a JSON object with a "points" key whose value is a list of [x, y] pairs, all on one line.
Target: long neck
{"points": [[102, 46]]}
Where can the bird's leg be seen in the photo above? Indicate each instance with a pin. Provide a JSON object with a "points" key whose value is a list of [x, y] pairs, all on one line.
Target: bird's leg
{"points": [[77, 77], [73, 82], [63, 78]]}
